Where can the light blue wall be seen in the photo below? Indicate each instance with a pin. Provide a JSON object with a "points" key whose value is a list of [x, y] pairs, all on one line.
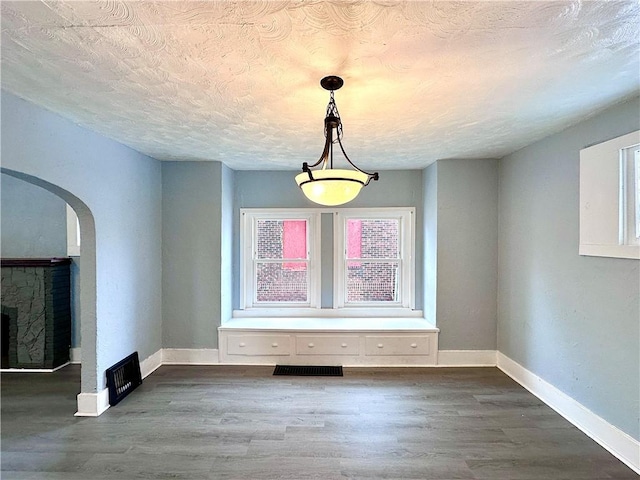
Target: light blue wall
{"points": [[117, 195], [76, 315], [34, 221], [34, 225], [278, 189], [572, 320], [430, 235], [192, 203], [467, 254], [326, 265], [226, 243]]}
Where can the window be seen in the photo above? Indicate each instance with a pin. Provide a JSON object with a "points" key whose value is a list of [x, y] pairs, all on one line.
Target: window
{"points": [[630, 195], [371, 251], [610, 198], [373, 258], [73, 233], [280, 258]]}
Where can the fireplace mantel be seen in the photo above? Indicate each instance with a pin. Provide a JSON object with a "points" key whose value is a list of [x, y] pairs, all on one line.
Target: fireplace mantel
{"points": [[33, 262]]}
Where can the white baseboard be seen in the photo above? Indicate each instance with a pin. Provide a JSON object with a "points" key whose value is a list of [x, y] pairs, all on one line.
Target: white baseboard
{"points": [[75, 355], [190, 356], [33, 370], [621, 445], [92, 404], [151, 364], [467, 358]]}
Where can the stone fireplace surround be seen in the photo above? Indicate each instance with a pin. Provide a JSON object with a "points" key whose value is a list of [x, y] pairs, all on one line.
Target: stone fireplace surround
{"points": [[36, 312]]}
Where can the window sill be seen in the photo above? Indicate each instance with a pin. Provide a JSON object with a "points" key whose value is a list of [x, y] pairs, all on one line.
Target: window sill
{"points": [[350, 312], [332, 324], [613, 251]]}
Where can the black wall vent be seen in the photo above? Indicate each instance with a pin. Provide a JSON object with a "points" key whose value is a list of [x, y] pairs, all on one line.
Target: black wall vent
{"points": [[123, 378], [308, 370]]}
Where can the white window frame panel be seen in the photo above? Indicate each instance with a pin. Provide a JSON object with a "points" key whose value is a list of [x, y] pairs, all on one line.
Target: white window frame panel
{"points": [[630, 195], [248, 221], [73, 233], [406, 217], [609, 197], [636, 175]]}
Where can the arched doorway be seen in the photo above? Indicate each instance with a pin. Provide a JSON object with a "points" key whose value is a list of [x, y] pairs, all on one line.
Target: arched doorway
{"points": [[87, 279]]}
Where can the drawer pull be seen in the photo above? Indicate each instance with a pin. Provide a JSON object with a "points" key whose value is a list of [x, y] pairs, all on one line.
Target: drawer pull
{"points": [[311, 345], [380, 345], [414, 345], [344, 345], [242, 344], [274, 345]]}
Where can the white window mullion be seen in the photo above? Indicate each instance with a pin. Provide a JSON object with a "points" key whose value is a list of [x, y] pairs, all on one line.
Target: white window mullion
{"points": [[73, 233], [636, 181], [339, 260], [314, 256]]}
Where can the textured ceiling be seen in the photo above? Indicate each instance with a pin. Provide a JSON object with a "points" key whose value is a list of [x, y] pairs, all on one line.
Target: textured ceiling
{"points": [[238, 82]]}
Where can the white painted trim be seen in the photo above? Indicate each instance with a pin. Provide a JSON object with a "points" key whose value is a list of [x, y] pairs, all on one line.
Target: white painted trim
{"points": [[190, 356], [33, 370], [344, 365], [75, 355], [73, 233], [467, 358], [151, 364], [616, 251], [92, 404], [345, 313], [330, 324], [620, 444], [605, 190]]}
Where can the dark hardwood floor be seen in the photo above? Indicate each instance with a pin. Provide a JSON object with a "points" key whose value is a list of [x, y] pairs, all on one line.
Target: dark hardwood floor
{"points": [[235, 422]]}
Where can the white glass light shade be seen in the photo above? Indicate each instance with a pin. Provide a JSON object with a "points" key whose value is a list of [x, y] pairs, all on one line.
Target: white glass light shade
{"points": [[332, 187]]}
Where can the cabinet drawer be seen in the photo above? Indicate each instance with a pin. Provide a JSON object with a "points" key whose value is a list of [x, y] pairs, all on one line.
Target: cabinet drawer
{"points": [[259, 345], [327, 345], [397, 345]]}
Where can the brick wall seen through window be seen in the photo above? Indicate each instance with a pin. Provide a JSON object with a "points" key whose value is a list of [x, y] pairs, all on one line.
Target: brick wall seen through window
{"points": [[373, 250], [278, 280]]}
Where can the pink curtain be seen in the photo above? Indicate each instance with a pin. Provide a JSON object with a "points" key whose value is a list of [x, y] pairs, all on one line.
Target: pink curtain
{"points": [[294, 243], [354, 238]]}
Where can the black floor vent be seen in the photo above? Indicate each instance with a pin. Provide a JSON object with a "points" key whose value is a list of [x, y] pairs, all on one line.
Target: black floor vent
{"points": [[308, 370], [123, 378]]}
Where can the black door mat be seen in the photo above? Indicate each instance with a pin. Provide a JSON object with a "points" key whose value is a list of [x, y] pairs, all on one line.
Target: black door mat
{"points": [[308, 370]]}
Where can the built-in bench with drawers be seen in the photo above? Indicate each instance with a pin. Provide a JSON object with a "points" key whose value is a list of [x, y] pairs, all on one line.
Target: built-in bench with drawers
{"points": [[329, 341]]}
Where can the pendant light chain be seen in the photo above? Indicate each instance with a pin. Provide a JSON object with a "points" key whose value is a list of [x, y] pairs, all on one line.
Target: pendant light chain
{"points": [[332, 110]]}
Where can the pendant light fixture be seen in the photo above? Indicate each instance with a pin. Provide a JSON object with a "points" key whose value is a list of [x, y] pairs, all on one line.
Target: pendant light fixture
{"points": [[327, 185]]}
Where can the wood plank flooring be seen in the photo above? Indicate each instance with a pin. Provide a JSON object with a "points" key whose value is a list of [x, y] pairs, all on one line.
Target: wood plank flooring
{"points": [[236, 422]]}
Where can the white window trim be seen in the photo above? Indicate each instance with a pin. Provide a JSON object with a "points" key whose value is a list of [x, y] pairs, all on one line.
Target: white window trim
{"points": [[73, 233], [629, 196], [248, 217], [636, 175], [339, 313], [406, 217], [603, 203]]}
